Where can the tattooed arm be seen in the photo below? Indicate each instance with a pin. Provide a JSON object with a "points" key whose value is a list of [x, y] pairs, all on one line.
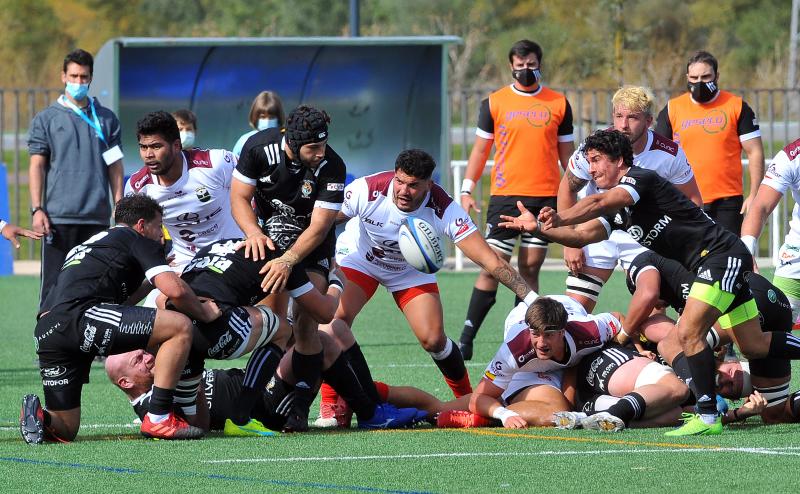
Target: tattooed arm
{"points": [[476, 248], [568, 190]]}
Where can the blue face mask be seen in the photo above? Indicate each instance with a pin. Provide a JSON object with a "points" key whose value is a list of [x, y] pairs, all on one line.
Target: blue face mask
{"points": [[267, 123], [77, 91]]}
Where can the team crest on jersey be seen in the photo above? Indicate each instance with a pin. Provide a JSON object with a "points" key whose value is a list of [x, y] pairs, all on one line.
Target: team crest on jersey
{"points": [[203, 195], [306, 189]]}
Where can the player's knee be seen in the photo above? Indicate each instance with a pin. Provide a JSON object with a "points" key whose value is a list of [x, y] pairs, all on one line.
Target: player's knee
{"points": [[182, 330], [433, 343], [342, 333]]}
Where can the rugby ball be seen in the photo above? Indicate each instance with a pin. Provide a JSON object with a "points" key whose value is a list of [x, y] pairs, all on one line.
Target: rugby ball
{"points": [[420, 245]]}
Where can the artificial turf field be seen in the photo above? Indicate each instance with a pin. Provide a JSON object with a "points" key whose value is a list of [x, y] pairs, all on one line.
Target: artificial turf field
{"points": [[111, 456]]}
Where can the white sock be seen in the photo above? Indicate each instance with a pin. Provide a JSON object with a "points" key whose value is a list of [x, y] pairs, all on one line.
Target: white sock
{"points": [[157, 418]]}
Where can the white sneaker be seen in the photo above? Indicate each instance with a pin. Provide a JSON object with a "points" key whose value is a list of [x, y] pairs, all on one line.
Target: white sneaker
{"points": [[568, 420], [604, 422]]}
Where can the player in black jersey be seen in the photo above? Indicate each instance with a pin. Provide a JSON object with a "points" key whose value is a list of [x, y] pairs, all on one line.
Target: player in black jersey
{"points": [[653, 278], [220, 271], [297, 182], [89, 313], [659, 217]]}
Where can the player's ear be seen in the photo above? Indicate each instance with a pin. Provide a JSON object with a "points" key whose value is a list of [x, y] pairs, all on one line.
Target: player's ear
{"points": [[124, 383], [139, 226]]}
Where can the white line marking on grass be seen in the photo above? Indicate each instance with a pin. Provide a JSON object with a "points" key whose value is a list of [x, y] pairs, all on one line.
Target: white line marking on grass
{"points": [[769, 451], [85, 426]]}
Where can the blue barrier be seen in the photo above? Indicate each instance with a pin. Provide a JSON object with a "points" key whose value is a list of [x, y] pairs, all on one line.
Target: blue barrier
{"points": [[6, 255]]}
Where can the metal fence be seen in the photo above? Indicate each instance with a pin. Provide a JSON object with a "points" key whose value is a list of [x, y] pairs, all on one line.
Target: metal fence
{"points": [[777, 109]]}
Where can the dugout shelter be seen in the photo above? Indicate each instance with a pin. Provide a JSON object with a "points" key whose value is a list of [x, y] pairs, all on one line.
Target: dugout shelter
{"points": [[383, 94]]}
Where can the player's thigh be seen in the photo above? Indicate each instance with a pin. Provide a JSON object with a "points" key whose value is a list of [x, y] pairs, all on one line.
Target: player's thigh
{"points": [[168, 324], [425, 318]]}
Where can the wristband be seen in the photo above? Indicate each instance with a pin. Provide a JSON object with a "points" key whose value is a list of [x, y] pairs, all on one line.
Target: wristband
{"points": [[334, 281], [466, 186], [751, 243], [2, 225], [502, 414]]}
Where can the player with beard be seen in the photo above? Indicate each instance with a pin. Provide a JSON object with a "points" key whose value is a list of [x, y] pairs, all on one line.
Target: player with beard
{"points": [[297, 182], [661, 218]]}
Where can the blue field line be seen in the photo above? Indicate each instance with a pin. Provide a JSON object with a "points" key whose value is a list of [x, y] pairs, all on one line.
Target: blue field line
{"points": [[211, 476]]}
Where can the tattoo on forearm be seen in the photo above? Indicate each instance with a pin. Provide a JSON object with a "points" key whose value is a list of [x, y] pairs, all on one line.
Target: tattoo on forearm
{"points": [[575, 183], [509, 277]]}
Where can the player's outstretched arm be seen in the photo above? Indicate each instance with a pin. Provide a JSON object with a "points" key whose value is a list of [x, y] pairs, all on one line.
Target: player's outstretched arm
{"points": [[588, 208], [476, 248], [485, 402], [644, 300], [256, 243], [583, 234], [184, 299]]}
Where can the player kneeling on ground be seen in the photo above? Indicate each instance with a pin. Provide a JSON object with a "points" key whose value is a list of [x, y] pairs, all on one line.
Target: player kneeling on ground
{"points": [[84, 317]]}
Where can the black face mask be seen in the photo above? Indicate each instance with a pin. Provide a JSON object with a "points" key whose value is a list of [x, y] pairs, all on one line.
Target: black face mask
{"points": [[703, 92], [527, 77]]}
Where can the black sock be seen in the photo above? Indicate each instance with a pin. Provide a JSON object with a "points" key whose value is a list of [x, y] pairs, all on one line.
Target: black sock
{"points": [[794, 403], [307, 370], [452, 366], [703, 373], [261, 366], [629, 407], [160, 400], [360, 367], [342, 378], [681, 367], [479, 305], [784, 345]]}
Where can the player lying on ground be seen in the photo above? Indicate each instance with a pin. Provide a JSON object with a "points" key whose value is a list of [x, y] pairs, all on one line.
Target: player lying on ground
{"points": [[90, 312], [661, 218], [369, 254], [221, 390]]}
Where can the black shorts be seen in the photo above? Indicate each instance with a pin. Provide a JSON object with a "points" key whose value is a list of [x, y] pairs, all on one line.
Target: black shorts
{"points": [[720, 282], [68, 341], [507, 205], [595, 370], [725, 212], [222, 339]]}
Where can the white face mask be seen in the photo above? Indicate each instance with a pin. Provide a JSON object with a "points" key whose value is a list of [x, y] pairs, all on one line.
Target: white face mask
{"points": [[267, 123], [187, 139]]}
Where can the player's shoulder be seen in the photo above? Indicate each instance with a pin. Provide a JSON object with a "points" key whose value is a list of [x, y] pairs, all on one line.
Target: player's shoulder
{"points": [[792, 150], [139, 180], [519, 344], [198, 158], [662, 144], [333, 162], [378, 184], [584, 332], [438, 200]]}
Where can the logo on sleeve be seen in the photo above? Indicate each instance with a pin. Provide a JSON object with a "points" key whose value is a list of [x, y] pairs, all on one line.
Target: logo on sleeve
{"points": [[627, 180], [335, 187]]}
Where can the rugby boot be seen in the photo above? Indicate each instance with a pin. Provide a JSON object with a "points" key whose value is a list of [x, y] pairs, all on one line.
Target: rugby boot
{"points": [[389, 417], [462, 419], [173, 427], [31, 420], [603, 422], [568, 420], [253, 428], [693, 425]]}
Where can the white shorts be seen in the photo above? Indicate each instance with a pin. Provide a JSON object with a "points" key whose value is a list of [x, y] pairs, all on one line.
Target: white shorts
{"points": [[522, 380], [619, 248], [651, 374], [788, 262], [392, 280]]}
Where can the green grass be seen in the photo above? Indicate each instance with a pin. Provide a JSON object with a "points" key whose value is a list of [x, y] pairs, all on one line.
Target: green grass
{"points": [[110, 456]]}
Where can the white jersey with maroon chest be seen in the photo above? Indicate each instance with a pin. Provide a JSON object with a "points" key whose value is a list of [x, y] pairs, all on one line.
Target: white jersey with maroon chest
{"points": [[370, 200], [197, 208]]}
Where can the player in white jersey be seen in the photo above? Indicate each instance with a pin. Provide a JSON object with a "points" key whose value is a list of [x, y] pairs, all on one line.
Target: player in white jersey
{"points": [[193, 187], [783, 174], [526, 372], [380, 202], [591, 266]]}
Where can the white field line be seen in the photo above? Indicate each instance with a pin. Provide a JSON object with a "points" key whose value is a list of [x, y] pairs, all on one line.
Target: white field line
{"points": [[791, 451], [86, 426]]}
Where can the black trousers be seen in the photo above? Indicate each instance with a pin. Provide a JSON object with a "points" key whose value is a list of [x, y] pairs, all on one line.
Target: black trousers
{"points": [[725, 211]]}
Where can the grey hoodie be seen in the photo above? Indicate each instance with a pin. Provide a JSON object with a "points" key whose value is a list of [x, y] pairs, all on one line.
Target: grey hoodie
{"points": [[76, 183]]}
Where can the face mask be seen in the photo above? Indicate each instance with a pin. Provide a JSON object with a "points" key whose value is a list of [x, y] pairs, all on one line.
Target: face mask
{"points": [[77, 91], [703, 92], [187, 139], [527, 77], [267, 123]]}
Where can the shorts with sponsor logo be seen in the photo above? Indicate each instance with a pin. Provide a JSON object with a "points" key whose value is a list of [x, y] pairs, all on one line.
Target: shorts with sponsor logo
{"points": [[68, 341], [596, 369], [719, 281], [224, 338], [788, 265], [406, 277], [619, 248], [507, 205], [522, 380]]}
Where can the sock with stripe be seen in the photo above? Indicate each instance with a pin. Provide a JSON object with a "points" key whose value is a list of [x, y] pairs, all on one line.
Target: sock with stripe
{"points": [[629, 407], [480, 303], [307, 369], [160, 404], [703, 372], [359, 364], [343, 379], [784, 345], [451, 364], [261, 365]]}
